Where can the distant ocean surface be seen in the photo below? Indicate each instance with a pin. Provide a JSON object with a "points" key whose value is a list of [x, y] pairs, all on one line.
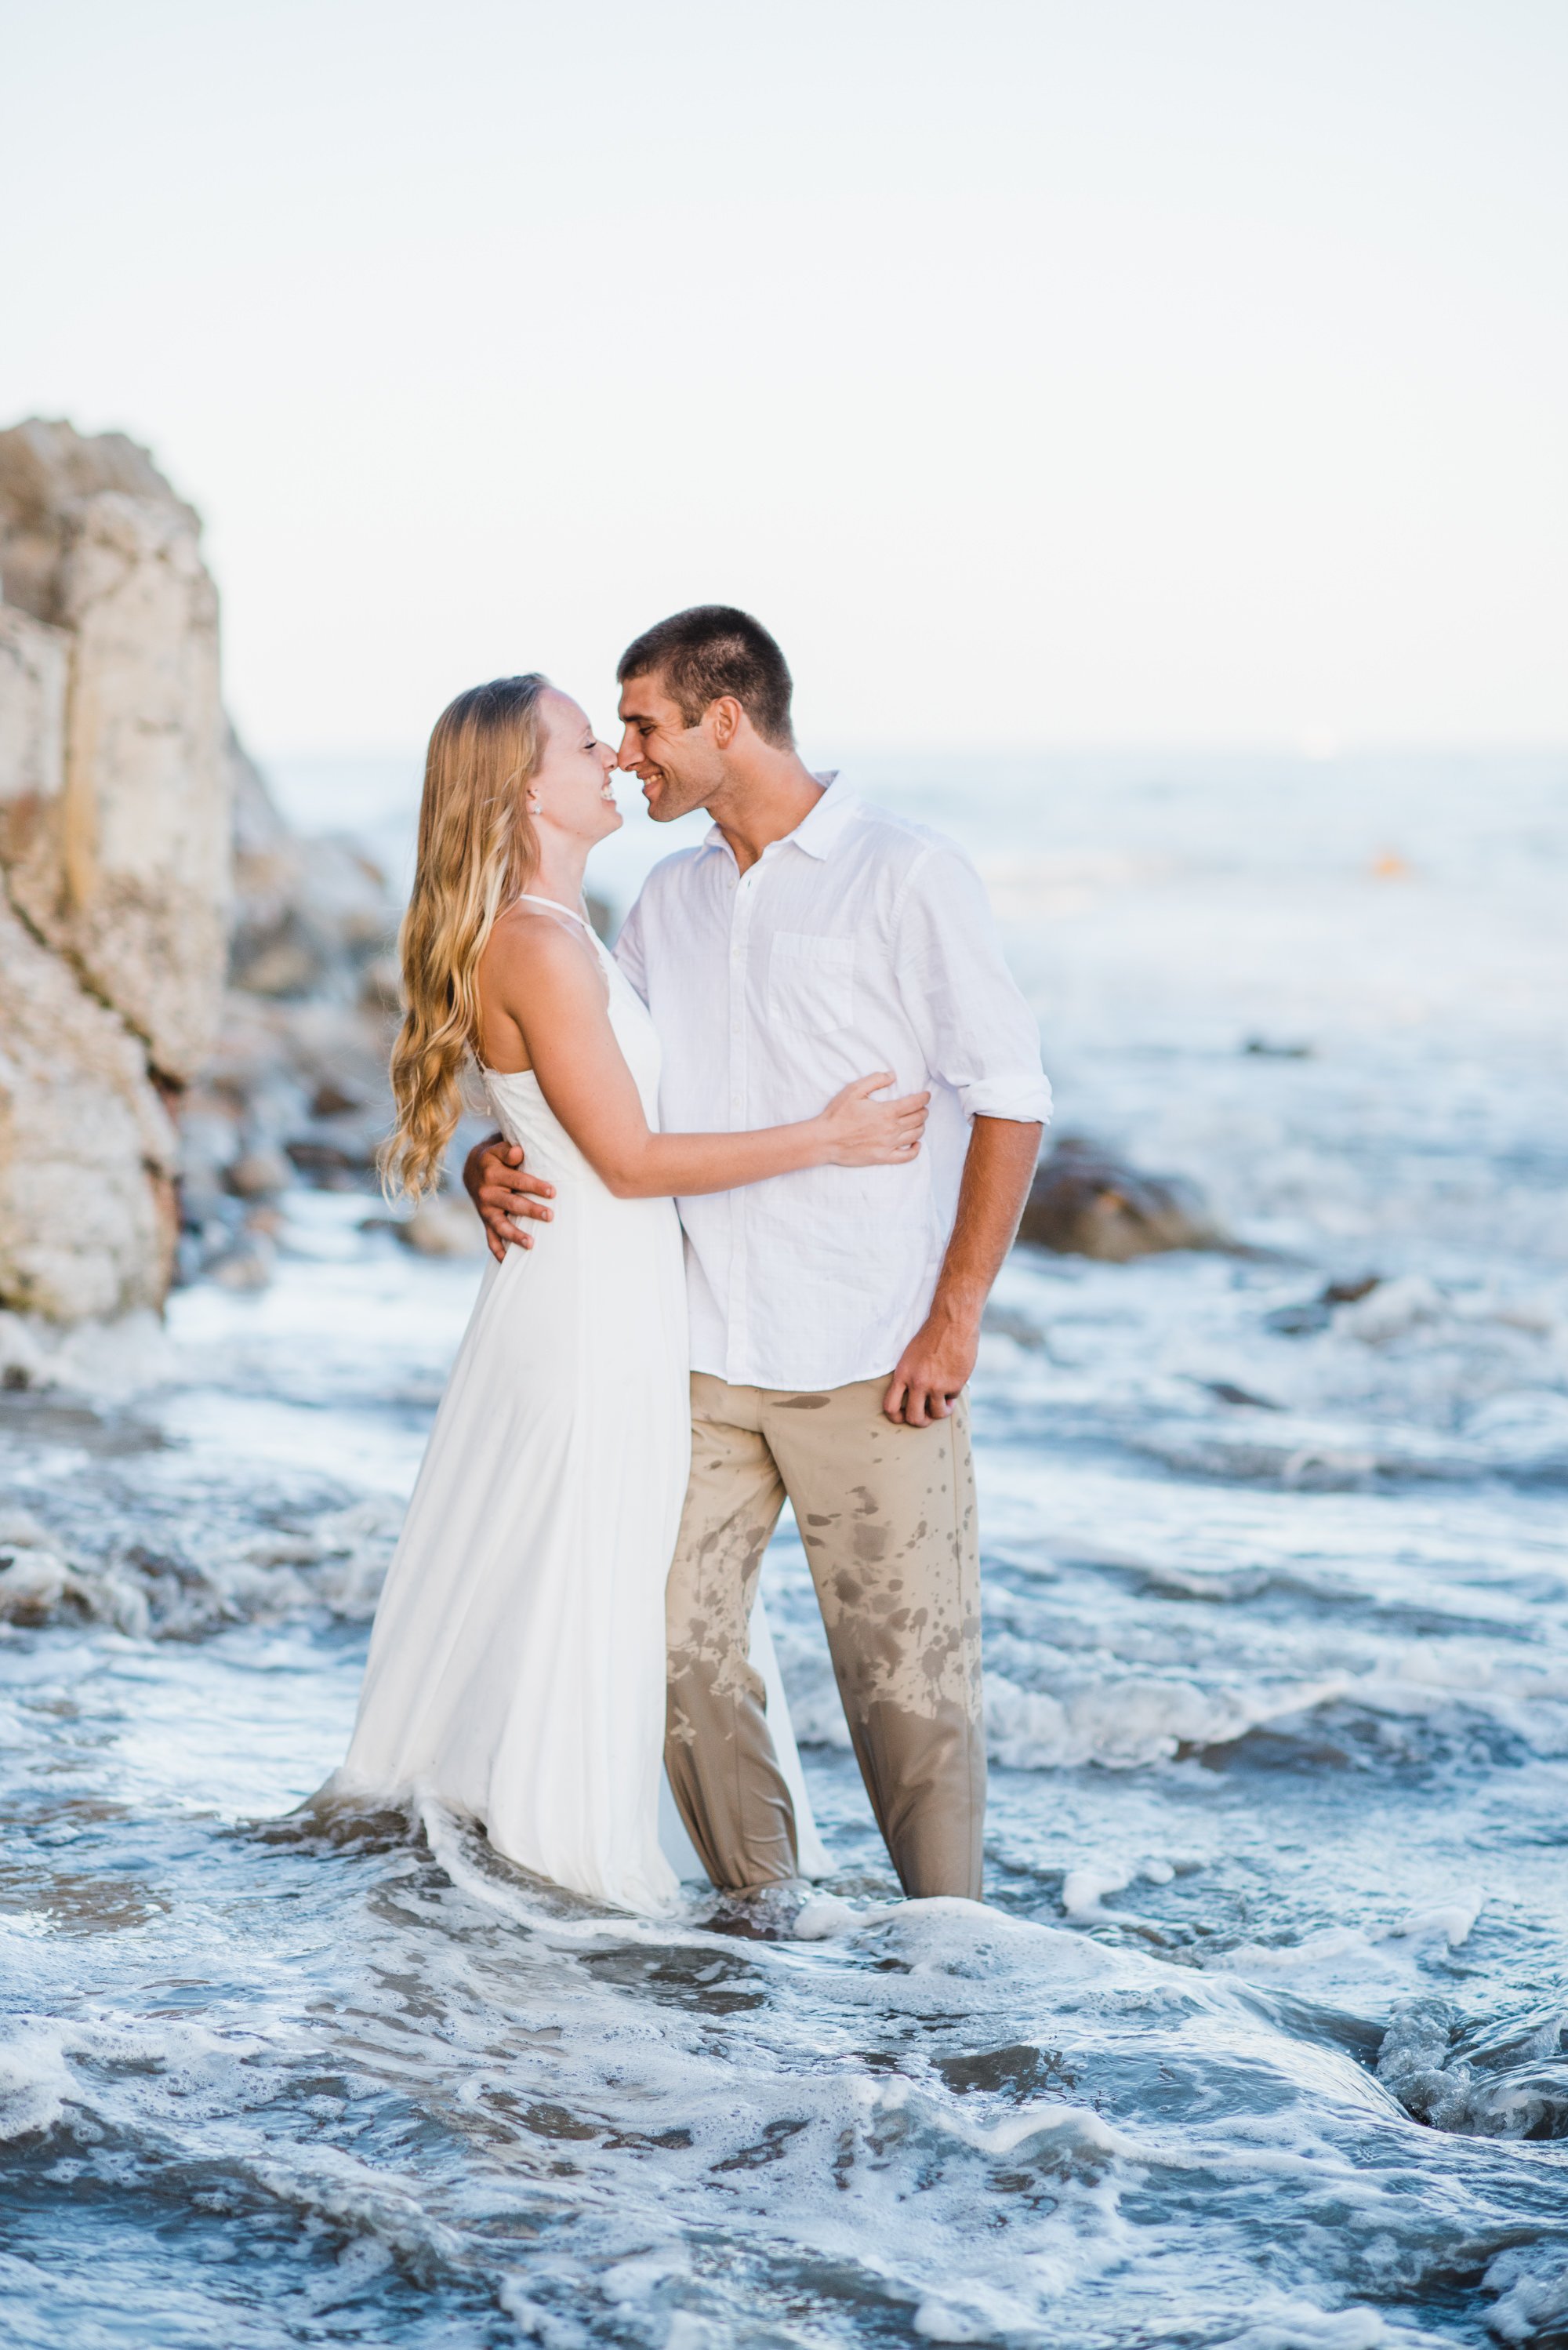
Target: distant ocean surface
{"points": [[1264, 2040]]}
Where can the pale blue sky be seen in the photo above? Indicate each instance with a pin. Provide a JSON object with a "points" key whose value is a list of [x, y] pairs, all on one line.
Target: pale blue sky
{"points": [[1070, 373]]}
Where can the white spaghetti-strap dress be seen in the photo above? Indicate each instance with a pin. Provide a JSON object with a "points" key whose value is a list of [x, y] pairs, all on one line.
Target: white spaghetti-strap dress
{"points": [[516, 1666]]}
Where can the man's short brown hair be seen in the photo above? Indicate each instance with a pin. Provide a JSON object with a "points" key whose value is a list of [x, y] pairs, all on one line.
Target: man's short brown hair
{"points": [[712, 650]]}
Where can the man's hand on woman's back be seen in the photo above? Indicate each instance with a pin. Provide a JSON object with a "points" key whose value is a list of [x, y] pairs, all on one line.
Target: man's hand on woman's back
{"points": [[502, 1192]]}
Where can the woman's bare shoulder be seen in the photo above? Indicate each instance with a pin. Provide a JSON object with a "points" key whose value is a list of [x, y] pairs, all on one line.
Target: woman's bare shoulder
{"points": [[543, 942], [542, 956]]}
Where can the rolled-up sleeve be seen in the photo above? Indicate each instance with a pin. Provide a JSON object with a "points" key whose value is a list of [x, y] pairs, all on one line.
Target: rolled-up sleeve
{"points": [[977, 1032]]}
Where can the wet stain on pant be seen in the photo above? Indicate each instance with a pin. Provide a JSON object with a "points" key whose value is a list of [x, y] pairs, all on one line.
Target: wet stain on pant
{"points": [[886, 1519]]}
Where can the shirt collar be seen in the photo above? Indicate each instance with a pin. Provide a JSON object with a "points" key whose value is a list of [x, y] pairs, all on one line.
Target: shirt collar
{"points": [[817, 832]]}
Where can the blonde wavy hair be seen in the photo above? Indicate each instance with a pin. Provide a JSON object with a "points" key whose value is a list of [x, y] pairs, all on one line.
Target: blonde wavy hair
{"points": [[477, 851]]}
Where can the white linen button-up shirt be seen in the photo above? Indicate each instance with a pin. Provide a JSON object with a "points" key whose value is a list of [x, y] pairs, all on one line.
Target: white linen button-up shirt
{"points": [[861, 941]]}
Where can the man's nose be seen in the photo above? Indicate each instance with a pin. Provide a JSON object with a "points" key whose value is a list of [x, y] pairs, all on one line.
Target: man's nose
{"points": [[630, 749]]}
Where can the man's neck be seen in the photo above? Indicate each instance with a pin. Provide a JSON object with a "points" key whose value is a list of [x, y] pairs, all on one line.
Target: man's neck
{"points": [[777, 793]]}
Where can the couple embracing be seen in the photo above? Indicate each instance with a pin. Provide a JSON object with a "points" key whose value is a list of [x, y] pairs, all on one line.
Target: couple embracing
{"points": [[756, 1176]]}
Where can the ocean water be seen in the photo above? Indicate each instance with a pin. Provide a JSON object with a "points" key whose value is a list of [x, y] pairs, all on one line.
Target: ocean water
{"points": [[1263, 2039]]}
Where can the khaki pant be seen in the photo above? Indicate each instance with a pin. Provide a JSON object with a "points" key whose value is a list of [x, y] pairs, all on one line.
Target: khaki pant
{"points": [[887, 1517]]}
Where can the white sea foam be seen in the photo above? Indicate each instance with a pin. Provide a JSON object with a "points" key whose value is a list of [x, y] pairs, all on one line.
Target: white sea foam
{"points": [[109, 1361], [1285, 2321], [1531, 2285]]}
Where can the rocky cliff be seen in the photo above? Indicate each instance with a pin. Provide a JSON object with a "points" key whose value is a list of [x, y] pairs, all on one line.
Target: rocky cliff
{"points": [[153, 1099], [115, 860]]}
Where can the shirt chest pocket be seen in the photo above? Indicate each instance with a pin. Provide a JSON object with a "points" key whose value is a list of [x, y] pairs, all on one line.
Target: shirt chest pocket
{"points": [[811, 983]]}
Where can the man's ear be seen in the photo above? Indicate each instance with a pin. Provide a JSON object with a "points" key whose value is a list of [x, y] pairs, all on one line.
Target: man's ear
{"points": [[724, 717]]}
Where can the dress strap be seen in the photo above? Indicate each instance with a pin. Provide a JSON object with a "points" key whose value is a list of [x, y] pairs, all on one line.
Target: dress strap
{"points": [[530, 896], [534, 898]]}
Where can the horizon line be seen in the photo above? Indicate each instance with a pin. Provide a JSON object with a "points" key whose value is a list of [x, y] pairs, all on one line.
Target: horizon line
{"points": [[1307, 752]]}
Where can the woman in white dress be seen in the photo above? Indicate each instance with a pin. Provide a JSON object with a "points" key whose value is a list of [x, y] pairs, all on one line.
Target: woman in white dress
{"points": [[516, 1667]]}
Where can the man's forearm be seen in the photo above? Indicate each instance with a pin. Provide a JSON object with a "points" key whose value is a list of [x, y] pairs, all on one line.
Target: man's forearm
{"points": [[935, 1366], [997, 1173]]}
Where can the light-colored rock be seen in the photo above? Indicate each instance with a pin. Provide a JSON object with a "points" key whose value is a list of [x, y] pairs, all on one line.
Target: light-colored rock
{"points": [[259, 1174], [47, 467], [311, 917], [78, 1236], [443, 1226], [312, 1075], [137, 839], [115, 860], [119, 848], [34, 667]]}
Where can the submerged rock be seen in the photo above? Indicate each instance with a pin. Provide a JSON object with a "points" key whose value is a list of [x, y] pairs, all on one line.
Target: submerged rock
{"points": [[1083, 1201], [1308, 1316], [33, 1585]]}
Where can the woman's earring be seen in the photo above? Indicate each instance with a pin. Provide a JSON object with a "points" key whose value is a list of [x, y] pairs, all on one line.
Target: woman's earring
{"points": [[532, 803]]}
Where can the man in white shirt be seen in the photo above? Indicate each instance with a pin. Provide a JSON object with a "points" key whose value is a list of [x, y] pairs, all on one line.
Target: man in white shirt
{"points": [[835, 1313]]}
